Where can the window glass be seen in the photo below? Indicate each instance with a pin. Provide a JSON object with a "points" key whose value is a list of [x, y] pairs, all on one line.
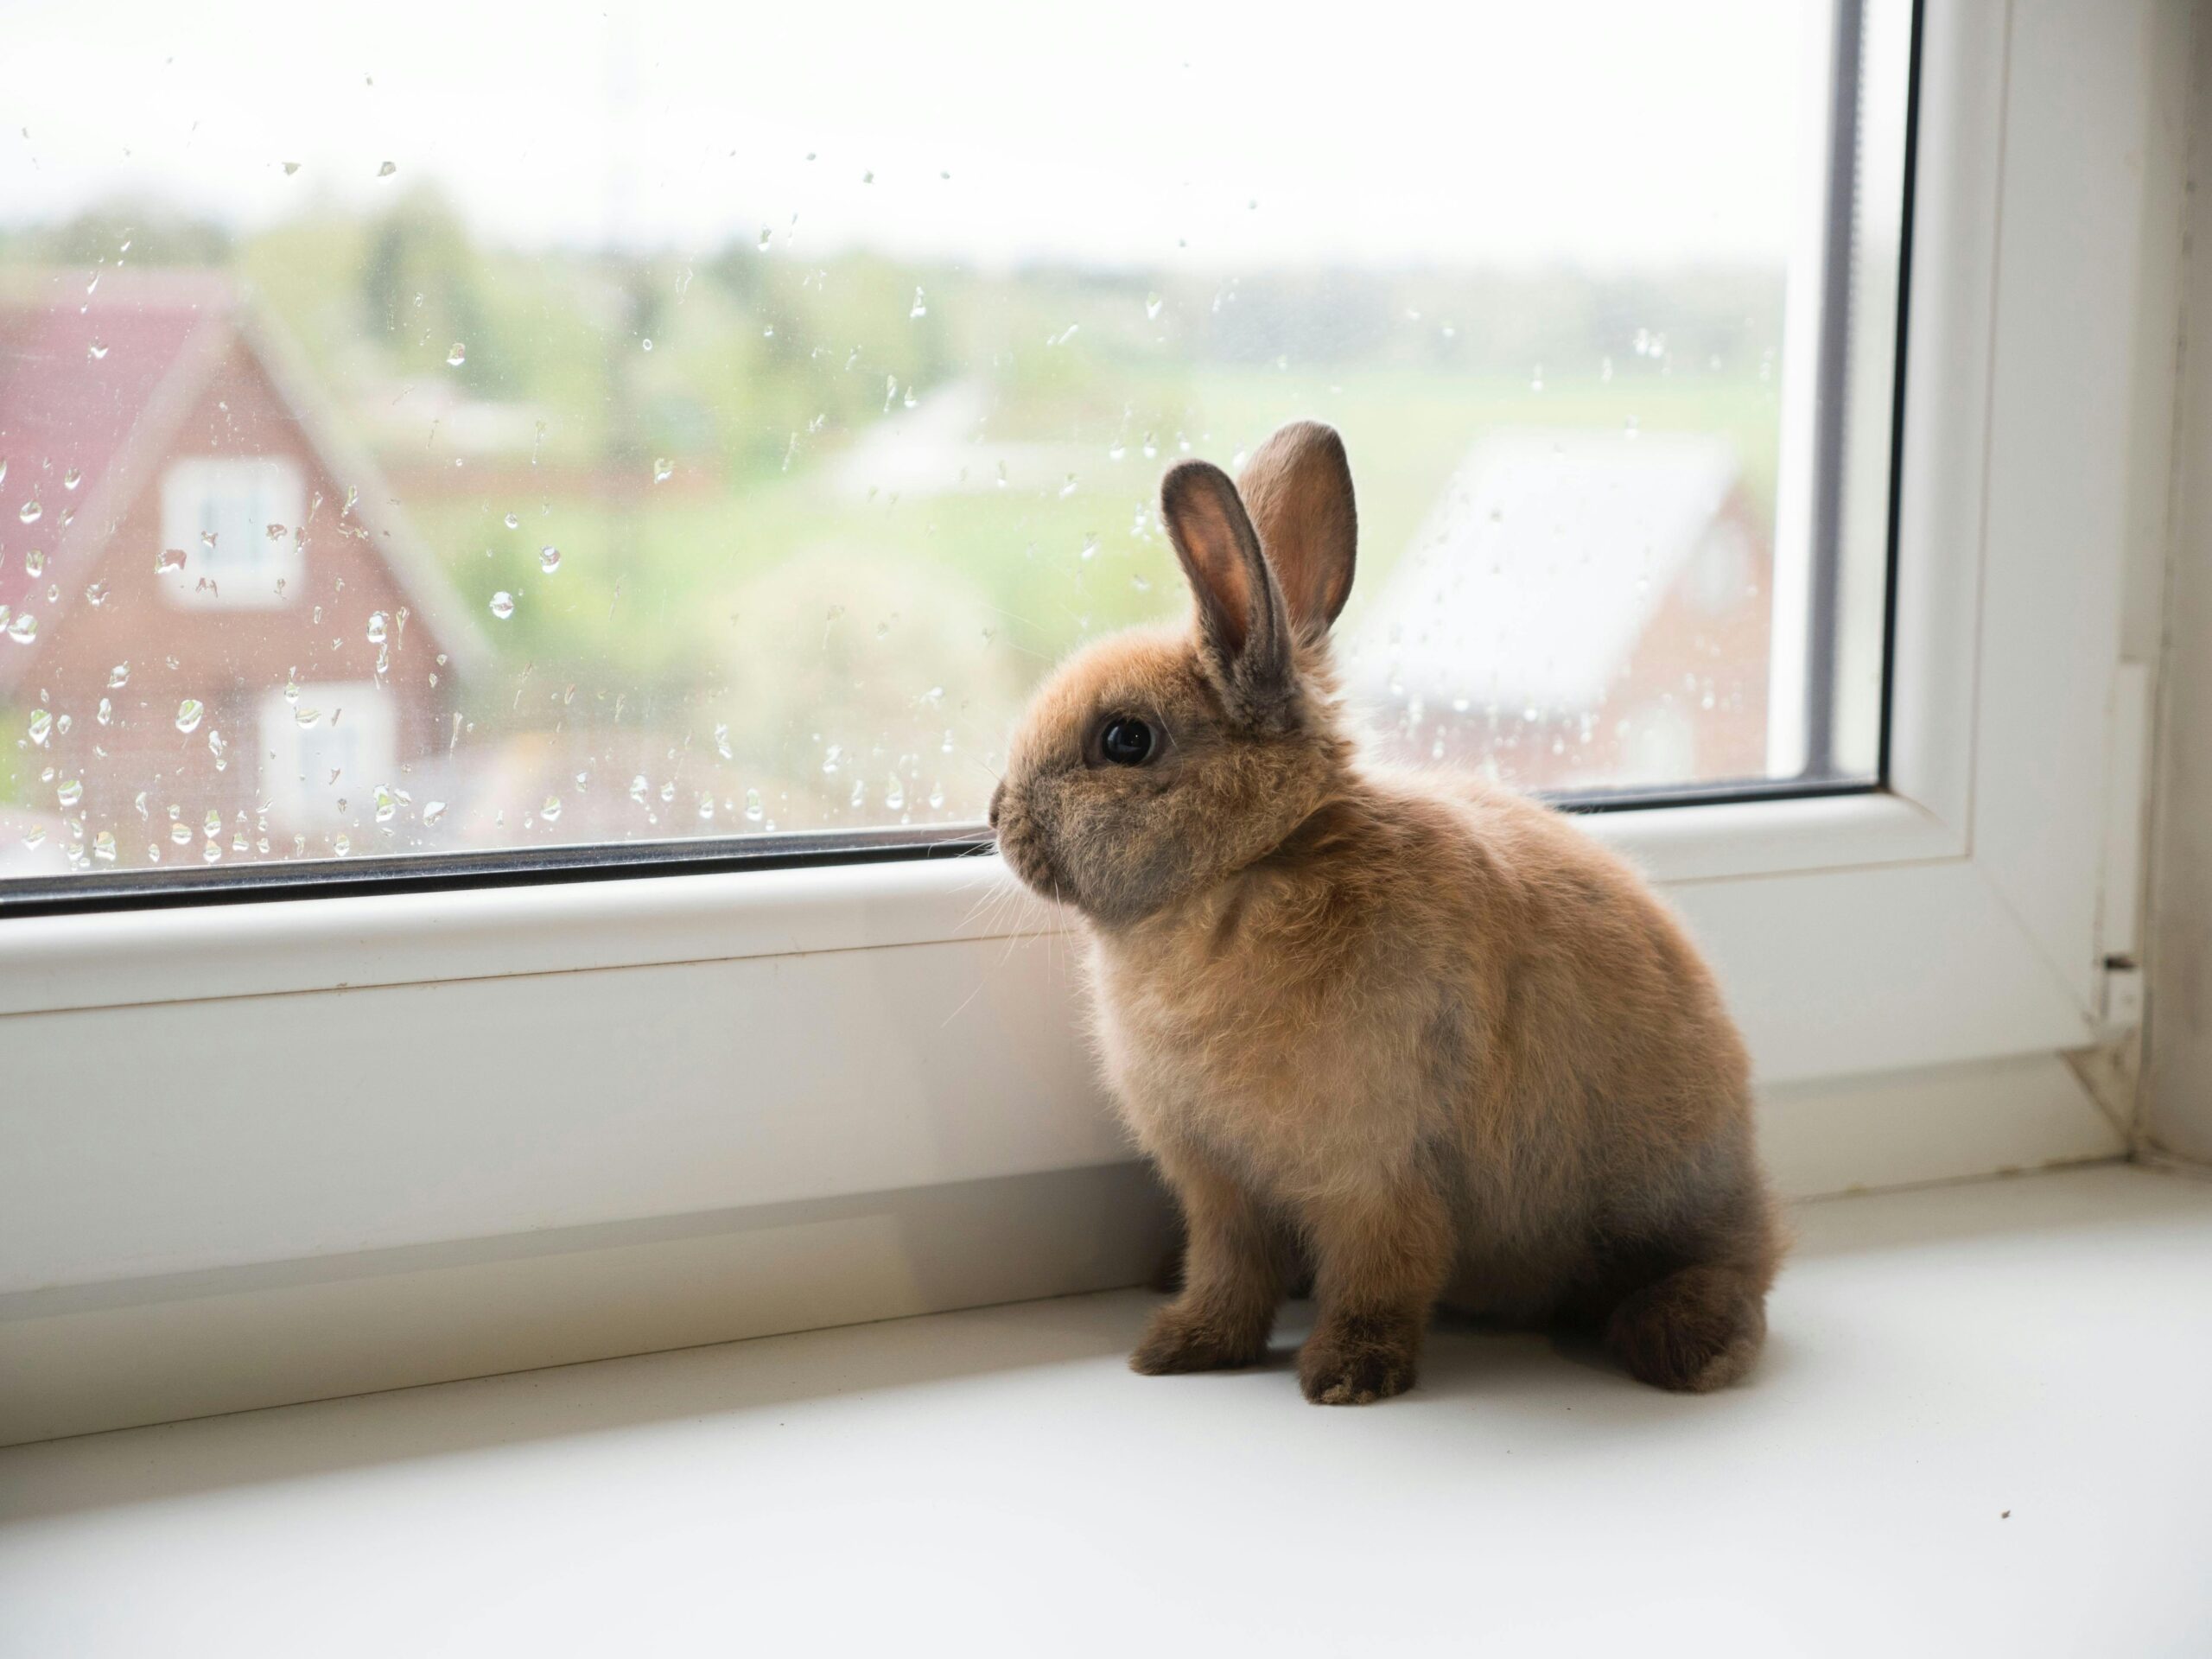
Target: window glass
{"points": [[434, 429]]}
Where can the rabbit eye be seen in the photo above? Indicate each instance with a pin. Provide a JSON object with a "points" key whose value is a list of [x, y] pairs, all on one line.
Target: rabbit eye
{"points": [[1126, 740]]}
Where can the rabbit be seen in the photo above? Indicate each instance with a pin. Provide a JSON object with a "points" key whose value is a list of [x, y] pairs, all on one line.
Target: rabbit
{"points": [[1419, 1034]]}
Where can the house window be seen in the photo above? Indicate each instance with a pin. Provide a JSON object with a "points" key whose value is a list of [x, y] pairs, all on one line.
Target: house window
{"points": [[325, 747], [745, 483], [237, 524]]}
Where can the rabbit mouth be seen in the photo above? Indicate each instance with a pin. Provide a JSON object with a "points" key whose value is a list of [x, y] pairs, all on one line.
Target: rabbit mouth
{"points": [[1026, 856]]}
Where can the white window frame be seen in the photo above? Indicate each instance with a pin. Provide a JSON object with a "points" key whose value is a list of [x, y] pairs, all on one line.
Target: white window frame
{"points": [[266, 577], [595, 1052]]}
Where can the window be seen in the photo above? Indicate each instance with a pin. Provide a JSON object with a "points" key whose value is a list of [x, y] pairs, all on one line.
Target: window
{"points": [[503, 1066], [232, 531], [322, 744], [714, 467]]}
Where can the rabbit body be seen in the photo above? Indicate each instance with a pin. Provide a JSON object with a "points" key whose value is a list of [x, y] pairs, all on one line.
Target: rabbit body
{"points": [[1421, 1036]]}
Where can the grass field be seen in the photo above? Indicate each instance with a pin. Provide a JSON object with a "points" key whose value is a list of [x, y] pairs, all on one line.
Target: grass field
{"points": [[682, 595]]}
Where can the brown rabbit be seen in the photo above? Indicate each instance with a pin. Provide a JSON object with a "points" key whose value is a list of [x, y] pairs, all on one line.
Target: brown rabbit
{"points": [[1419, 1032]]}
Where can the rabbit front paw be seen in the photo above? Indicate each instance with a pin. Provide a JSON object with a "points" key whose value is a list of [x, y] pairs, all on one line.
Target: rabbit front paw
{"points": [[1356, 1361], [1184, 1338]]}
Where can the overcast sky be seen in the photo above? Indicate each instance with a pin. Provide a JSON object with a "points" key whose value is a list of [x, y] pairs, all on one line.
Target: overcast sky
{"points": [[1612, 133]]}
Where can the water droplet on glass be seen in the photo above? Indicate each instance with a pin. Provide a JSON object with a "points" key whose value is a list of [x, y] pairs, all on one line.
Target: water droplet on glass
{"points": [[169, 558], [387, 170], [647, 343], [34, 563], [188, 715], [551, 810], [458, 355], [919, 309], [378, 627], [103, 846], [211, 851], [639, 786], [30, 512], [664, 469], [432, 811], [41, 726], [290, 167], [106, 713], [1151, 303], [70, 792], [217, 747], [72, 479], [1151, 448], [752, 807], [1089, 546], [706, 806], [307, 716], [513, 523], [386, 808], [721, 742], [895, 795], [503, 605], [23, 629], [97, 350], [937, 796], [548, 560]]}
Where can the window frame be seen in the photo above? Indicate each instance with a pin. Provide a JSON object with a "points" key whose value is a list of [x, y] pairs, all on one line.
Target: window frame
{"points": [[1817, 452], [1949, 916]]}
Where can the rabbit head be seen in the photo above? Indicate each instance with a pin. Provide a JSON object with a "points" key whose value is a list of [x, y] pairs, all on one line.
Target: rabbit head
{"points": [[1157, 762]]}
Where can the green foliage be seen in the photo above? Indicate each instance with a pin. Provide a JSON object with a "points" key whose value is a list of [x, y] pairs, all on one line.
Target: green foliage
{"points": [[18, 764]]}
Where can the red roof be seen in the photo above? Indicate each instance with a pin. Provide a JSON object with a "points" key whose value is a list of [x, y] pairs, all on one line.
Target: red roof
{"points": [[77, 372]]}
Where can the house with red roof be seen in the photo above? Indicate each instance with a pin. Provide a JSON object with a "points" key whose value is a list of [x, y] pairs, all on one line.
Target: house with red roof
{"points": [[218, 636]]}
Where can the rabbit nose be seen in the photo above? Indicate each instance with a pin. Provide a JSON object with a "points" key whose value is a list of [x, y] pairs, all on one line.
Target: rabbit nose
{"points": [[997, 795]]}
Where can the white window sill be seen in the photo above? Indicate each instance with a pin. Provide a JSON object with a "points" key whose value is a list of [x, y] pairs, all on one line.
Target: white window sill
{"points": [[996, 1481]]}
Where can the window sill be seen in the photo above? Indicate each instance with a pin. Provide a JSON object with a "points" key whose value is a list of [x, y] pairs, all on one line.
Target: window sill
{"points": [[1967, 1475]]}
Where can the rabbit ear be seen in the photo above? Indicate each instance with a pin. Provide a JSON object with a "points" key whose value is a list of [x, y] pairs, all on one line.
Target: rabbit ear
{"points": [[1298, 489], [1242, 621]]}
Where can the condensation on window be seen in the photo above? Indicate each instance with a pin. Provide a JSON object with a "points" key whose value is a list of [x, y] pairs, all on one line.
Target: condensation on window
{"points": [[506, 430]]}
